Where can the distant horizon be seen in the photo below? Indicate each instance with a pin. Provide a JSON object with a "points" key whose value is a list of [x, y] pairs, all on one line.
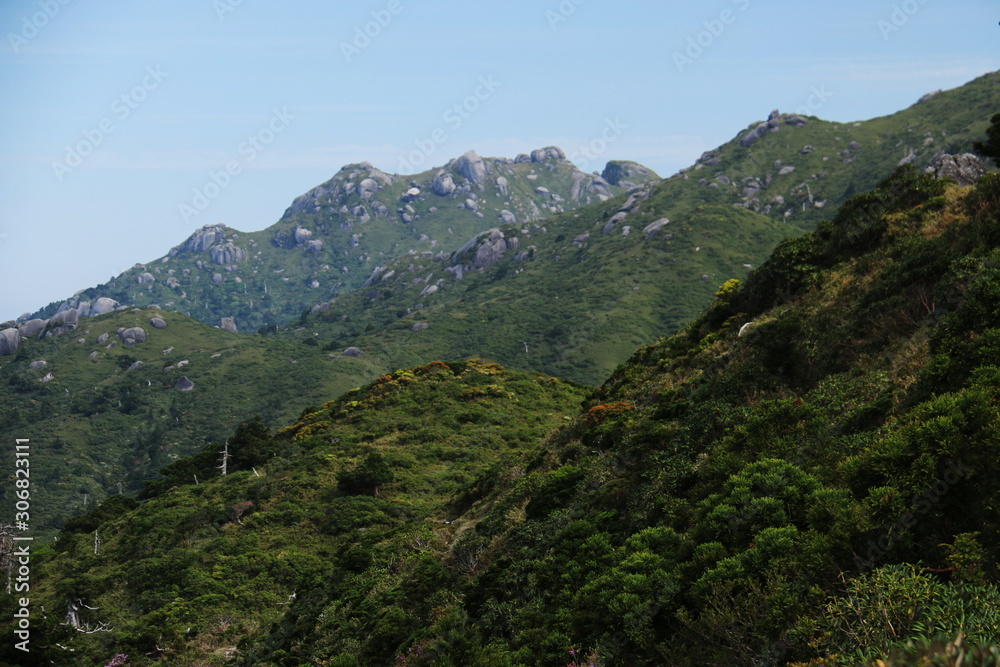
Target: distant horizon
{"points": [[126, 114]]}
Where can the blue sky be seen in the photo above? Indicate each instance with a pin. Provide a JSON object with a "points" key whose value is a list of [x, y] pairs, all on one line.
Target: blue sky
{"points": [[117, 114]]}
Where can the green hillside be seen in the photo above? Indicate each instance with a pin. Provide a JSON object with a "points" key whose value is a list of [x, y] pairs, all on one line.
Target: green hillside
{"points": [[332, 237], [574, 294], [803, 475], [568, 299], [368, 477], [794, 170], [98, 428]]}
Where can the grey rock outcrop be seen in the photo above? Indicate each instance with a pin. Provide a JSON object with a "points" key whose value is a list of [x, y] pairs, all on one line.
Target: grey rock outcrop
{"points": [[226, 254], [158, 323], [502, 186], [302, 235], [419, 326], [146, 279], [964, 169], [228, 324], [367, 187], [136, 365], [795, 120], [627, 174], [443, 184], [10, 340], [507, 217], [470, 166], [752, 135], [67, 318], [651, 229], [133, 336], [41, 363], [547, 153], [184, 384], [352, 352], [31, 327], [202, 240]]}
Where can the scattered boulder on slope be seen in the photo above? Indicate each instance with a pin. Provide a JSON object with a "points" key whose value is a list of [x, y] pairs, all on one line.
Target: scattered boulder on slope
{"points": [[133, 335], [443, 184], [10, 340], [31, 327], [228, 324], [201, 240], [227, 253], [470, 166], [184, 384]]}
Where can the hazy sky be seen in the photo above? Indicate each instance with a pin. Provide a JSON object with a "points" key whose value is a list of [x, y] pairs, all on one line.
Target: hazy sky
{"points": [[125, 125]]}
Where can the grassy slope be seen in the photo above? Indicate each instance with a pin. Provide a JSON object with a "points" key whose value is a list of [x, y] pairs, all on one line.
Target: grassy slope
{"points": [[580, 308]]}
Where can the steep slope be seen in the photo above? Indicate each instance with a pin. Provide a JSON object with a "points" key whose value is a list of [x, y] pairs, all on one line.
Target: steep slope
{"points": [[572, 296], [330, 238], [184, 577], [104, 415], [805, 473]]}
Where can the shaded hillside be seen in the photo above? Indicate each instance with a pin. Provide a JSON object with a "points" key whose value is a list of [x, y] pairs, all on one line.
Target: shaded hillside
{"points": [[804, 473], [104, 416]]}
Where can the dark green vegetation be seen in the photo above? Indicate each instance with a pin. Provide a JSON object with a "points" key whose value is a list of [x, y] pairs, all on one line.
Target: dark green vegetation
{"points": [[195, 568], [805, 474], [560, 302], [991, 147], [98, 428]]}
